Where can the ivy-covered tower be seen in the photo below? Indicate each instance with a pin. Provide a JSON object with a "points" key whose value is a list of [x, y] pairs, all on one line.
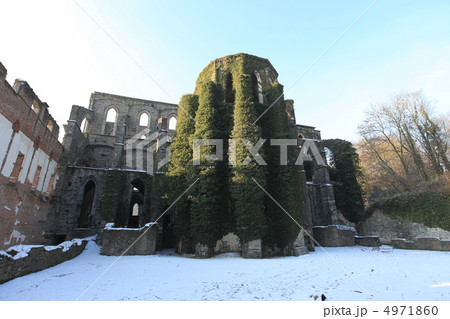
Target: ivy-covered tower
{"points": [[238, 100]]}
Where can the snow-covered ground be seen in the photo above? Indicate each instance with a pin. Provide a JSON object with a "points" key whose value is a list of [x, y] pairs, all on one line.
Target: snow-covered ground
{"points": [[386, 274]]}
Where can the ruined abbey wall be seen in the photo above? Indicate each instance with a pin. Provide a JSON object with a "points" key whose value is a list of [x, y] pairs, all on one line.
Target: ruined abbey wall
{"points": [[29, 156], [98, 145]]}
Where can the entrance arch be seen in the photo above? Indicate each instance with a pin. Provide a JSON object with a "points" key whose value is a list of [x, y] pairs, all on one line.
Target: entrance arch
{"points": [[136, 204]]}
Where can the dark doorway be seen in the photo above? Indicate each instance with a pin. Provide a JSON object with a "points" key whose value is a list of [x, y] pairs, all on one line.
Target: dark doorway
{"points": [[309, 170], [168, 240], [255, 88], [84, 220], [136, 204], [133, 219], [229, 93]]}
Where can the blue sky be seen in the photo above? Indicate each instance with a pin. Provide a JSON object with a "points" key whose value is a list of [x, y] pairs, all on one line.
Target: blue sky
{"points": [[396, 46]]}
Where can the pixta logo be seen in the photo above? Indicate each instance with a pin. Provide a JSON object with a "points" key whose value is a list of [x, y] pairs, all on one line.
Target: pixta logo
{"points": [[309, 146], [141, 151]]}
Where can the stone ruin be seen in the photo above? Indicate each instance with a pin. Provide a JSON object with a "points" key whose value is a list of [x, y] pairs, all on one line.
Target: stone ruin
{"points": [[129, 137]]}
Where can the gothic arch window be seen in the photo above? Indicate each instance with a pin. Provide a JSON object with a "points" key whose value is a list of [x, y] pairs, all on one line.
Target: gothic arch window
{"points": [[84, 125], [229, 93], [110, 124], [135, 210], [84, 220], [172, 123], [300, 135], [50, 125], [255, 88], [35, 107], [144, 120]]}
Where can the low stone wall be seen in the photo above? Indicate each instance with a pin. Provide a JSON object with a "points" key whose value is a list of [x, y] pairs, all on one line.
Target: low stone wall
{"points": [[252, 249], [368, 241], [22, 260], [116, 241], [334, 235], [422, 243], [387, 228]]}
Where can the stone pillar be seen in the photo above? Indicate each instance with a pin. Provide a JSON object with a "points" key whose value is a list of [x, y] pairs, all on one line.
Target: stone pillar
{"points": [[203, 251], [252, 249]]}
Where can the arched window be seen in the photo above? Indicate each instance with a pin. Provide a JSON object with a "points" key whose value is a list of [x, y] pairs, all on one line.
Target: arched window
{"points": [[86, 206], [255, 88], [84, 125], [50, 125], [35, 107], [135, 211], [111, 115], [172, 123], [110, 125], [136, 204], [229, 93], [143, 120]]}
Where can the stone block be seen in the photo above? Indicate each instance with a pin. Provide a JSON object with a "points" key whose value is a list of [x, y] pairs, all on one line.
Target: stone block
{"points": [[252, 249], [445, 245], [369, 241], [129, 241], [203, 251], [298, 251], [334, 235], [422, 243], [427, 243], [300, 240], [402, 243]]}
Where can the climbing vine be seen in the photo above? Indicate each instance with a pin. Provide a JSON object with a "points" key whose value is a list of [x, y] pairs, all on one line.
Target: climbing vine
{"points": [[111, 205]]}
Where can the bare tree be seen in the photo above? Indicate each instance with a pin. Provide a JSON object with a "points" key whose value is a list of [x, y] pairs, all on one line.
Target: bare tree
{"points": [[403, 143]]}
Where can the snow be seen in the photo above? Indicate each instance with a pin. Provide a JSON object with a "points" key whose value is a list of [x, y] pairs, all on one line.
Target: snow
{"points": [[343, 227], [21, 251], [110, 226], [340, 227], [385, 273], [18, 251]]}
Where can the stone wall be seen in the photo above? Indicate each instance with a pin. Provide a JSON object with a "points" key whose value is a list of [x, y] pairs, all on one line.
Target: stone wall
{"points": [[334, 235], [368, 241], [118, 241], [29, 156], [387, 228], [22, 260], [422, 243]]}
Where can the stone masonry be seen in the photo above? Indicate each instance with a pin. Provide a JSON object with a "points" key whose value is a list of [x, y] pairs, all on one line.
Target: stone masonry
{"points": [[29, 157]]}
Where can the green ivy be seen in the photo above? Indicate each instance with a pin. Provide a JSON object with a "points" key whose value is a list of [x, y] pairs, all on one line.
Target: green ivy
{"points": [[110, 206], [345, 175], [431, 207]]}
